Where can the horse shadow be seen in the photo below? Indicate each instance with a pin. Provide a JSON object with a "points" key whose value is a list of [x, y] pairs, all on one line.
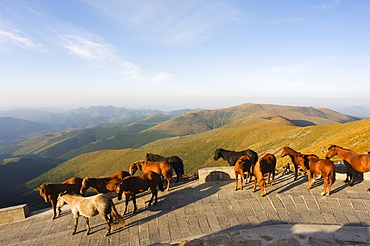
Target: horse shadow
{"points": [[176, 198]]}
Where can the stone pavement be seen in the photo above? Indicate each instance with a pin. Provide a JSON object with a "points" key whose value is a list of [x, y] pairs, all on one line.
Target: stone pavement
{"points": [[214, 214]]}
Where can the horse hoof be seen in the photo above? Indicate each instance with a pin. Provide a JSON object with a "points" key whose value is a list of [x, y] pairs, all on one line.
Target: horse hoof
{"points": [[323, 194], [368, 190]]}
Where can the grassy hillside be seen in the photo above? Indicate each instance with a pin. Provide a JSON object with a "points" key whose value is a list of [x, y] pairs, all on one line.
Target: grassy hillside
{"points": [[205, 120], [197, 150]]}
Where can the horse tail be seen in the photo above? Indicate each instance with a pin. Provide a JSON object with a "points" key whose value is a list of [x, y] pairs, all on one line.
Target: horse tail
{"points": [[182, 172], [332, 176], [160, 184], [116, 215]]}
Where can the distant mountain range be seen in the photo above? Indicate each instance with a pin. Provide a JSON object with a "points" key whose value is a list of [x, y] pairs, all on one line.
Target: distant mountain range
{"points": [[357, 111]]}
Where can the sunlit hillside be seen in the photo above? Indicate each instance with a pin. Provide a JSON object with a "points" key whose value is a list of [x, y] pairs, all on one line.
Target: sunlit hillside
{"points": [[261, 135]]}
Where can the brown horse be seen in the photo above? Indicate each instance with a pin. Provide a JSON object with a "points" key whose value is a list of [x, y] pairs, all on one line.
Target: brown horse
{"points": [[316, 166], [358, 162], [242, 166], [294, 157], [91, 206], [50, 192], [160, 167], [103, 185], [266, 164], [136, 184]]}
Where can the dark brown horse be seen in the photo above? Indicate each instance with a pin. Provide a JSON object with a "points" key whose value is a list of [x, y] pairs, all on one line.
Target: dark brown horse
{"points": [[266, 164], [232, 156], [103, 185], [136, 184], [294, 157], [175, 161], [160, 167], [50, 192], [358, 162], [242, 167], [316, 166]]}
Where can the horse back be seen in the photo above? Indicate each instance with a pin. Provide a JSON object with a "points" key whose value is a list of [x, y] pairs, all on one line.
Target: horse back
{"points": [[267, 163], [361, 162], [120, 175]]}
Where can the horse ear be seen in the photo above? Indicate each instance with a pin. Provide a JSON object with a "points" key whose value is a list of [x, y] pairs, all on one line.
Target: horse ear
{"points": [[38, 187]]}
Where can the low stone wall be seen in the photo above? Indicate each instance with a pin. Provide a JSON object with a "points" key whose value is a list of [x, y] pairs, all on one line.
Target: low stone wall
{"points": [[14, 213], [210, 174]]}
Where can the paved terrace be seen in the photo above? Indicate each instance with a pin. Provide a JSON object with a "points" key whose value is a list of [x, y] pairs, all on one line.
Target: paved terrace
{"points": [[214, 214]]}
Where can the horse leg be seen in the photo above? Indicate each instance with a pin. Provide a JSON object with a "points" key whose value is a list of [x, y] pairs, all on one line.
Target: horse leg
{"points": [[107, 221], [295, 172], [127, 198], [309, 176], [87, 225], [75, 222], [326, 183], [236, 181], [241, 181], [273, 177], [168, 183], [54, 205], [134, 201], [255, 184], [154, 196], [262, 185], [268, 177]]}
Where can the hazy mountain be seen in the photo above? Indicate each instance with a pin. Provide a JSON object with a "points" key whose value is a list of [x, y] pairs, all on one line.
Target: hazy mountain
{"points": [[11, 128], [357, 111]]}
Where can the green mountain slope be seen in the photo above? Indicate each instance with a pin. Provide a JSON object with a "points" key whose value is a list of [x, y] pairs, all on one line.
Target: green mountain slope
{"points": [[261, 135]]}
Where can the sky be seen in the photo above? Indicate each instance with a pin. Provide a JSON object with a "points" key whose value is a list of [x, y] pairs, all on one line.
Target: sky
{"points": [[174, 54]]}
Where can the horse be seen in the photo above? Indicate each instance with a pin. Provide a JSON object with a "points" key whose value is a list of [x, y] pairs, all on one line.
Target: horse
{"points": [[103, 185], [316, 166], [294, 156], [358, 162], [232, 156], [136, 184], [266, 164], [50, 192], [91, 206], [174, 161], [242, 166], [160, 167]]}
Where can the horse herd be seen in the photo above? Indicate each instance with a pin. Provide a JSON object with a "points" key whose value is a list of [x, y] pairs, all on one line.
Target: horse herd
{"points": [[157, 169]]}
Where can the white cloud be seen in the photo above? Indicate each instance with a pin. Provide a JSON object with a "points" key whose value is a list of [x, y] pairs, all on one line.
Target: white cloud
{"points": [[168, 22], [17, 39]]}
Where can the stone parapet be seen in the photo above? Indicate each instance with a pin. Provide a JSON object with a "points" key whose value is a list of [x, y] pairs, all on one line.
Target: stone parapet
{"points": [[14, 213]]}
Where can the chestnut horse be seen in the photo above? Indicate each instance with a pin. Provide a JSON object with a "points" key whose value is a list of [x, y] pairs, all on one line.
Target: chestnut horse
{"points": [[174, 161], [266, 164], [294, 157], [358, 162], [103, 185], [316, 166], [242, 166], [160, 167], [136, 184], [91, 206], [50, 192]]}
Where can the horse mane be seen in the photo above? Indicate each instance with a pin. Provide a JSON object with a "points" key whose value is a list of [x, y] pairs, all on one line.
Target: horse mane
{"points": [[336, 146], [292, 149]]}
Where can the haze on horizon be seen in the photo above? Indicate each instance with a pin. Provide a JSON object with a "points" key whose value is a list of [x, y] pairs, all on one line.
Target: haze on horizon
{"points": [[184, 54]]}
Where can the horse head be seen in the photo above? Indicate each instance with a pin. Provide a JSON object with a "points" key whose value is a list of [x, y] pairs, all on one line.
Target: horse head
{"points": [[44, 192], [218, 154], [133, 167], [121, 187], [332, 151], [85, 185]]}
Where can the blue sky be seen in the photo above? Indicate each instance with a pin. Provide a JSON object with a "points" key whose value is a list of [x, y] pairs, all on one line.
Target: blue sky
{"points": [[168, 54]]}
